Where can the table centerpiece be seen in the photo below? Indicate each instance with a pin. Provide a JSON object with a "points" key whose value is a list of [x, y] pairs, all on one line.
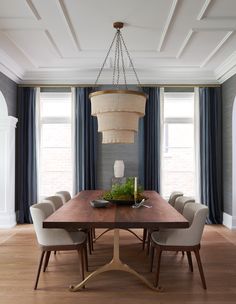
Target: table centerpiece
{"points": [[125, 194]]}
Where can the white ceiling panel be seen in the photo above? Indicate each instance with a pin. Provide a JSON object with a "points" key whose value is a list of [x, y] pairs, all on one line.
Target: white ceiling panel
{"points": [[15, 9], [35, 45], [197, 45], [221, 9], [93, 22], [183, 21], [170, 41], [55, 22]]}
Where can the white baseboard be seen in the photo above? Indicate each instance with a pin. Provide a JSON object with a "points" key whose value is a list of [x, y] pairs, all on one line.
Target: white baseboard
{"points": [[229, 221], [7, 220]]}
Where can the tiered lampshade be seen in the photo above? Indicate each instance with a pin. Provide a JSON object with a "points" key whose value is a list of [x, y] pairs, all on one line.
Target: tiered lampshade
{"points": [[118, 112]]}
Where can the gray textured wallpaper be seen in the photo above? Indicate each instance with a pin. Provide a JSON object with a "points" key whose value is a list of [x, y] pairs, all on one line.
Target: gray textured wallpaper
{"points": [[228, 95], [108, 153], [9, 90]]}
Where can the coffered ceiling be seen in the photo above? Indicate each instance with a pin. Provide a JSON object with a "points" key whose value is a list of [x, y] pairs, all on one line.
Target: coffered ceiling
{"points": [[170, 41]]}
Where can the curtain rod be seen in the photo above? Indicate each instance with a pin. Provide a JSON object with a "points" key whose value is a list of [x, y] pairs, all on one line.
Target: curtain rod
{"points": [[144, 85]]}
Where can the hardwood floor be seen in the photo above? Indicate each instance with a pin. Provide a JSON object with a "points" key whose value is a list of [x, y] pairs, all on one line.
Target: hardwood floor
{"points": [[19, 256]]}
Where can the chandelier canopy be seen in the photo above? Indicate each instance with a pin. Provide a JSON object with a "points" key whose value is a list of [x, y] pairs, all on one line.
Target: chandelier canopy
{"points": [[118, 110]]}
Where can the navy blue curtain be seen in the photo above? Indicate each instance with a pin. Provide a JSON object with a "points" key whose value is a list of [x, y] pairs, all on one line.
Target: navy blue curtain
{"points": [[26, 166], [211, 152], [85, 142], [149, 142]]}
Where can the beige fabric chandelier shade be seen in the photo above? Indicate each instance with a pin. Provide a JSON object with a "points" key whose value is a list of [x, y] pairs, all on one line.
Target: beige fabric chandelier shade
{"points": [[118, 113], [117, 137], [118, 100]]}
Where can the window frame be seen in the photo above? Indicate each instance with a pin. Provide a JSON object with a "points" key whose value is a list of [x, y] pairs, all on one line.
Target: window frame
{"points": [[165, 121], [52, 120]]}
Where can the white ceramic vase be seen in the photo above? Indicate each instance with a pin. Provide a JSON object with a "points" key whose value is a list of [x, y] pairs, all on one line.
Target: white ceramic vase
{"points": [[119, 168]]}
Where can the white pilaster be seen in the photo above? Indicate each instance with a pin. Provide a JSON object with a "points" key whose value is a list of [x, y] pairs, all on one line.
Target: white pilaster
{"points": [[7, 166]]}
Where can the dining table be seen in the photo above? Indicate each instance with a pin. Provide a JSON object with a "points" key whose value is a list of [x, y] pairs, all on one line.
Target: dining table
{"points": [[79, 213]]}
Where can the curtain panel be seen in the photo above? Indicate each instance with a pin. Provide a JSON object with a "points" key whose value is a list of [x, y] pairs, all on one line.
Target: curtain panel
{"points": [[211, 152], [26, 164], [149, 142], [85, 142]]}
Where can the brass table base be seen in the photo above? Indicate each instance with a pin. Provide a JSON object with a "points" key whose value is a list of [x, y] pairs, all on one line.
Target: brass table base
{"points": [[115, 264]]}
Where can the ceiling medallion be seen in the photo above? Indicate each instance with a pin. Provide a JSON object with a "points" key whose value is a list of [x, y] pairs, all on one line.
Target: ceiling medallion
{"points": [[118, 110]]}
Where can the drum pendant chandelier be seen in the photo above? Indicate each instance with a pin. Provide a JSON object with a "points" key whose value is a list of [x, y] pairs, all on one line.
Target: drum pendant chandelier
{"points": [[118, 110]]}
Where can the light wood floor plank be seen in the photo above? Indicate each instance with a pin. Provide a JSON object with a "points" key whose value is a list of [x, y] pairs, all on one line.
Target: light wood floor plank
{"points": [[19, 257]]}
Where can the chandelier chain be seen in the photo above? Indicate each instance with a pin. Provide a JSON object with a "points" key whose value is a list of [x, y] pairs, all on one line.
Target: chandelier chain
{"points": [[118, 60], [130, 60], [119, 56], [104, 62], [123, 64], [115, 60]]}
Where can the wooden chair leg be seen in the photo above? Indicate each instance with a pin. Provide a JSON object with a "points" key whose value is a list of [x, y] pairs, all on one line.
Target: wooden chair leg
{"points": [[86, 257], [197, 255], [91, 238], [94, 233], [190, 263], [151, 257], [144, 237], [89, 242], [148, 242], [46, 260], [159, 252], [39, 269]]}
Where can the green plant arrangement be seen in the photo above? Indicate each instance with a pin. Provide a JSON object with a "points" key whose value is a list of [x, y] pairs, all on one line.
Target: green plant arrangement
{"points": [[124, 192]]}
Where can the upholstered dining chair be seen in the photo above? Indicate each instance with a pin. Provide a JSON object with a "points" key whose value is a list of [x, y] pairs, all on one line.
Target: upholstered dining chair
{"points": [[147, 232], [54, 239], [54, 200], [57, 201], [65, 196], [181, 201], [182, 239], [173, 196]]}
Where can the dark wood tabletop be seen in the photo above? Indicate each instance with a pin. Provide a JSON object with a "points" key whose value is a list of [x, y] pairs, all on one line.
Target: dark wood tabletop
{"points": [[78, 212]]}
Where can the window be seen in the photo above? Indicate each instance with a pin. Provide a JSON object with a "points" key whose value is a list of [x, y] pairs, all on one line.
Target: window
{"points": [[178, 169], [55, 151]]}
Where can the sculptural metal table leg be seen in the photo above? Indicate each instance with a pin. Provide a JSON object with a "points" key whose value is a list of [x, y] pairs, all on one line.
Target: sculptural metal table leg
{"points": [[115, 264]]}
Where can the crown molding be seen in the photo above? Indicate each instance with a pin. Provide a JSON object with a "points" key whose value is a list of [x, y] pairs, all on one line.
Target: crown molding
{"points": [[164, 75], [9, 68], [227, 69]]}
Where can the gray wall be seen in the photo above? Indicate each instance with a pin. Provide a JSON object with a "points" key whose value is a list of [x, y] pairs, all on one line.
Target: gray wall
{"points": [[228, 95], [9, 90], [108, 153]]}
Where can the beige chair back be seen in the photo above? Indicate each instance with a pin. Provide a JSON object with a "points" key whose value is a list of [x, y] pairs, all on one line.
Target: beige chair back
{"points": [[196, 214], [181, 201], [191, 236], [55, 201], [174, 196], [47, 237], [65, 196]]}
